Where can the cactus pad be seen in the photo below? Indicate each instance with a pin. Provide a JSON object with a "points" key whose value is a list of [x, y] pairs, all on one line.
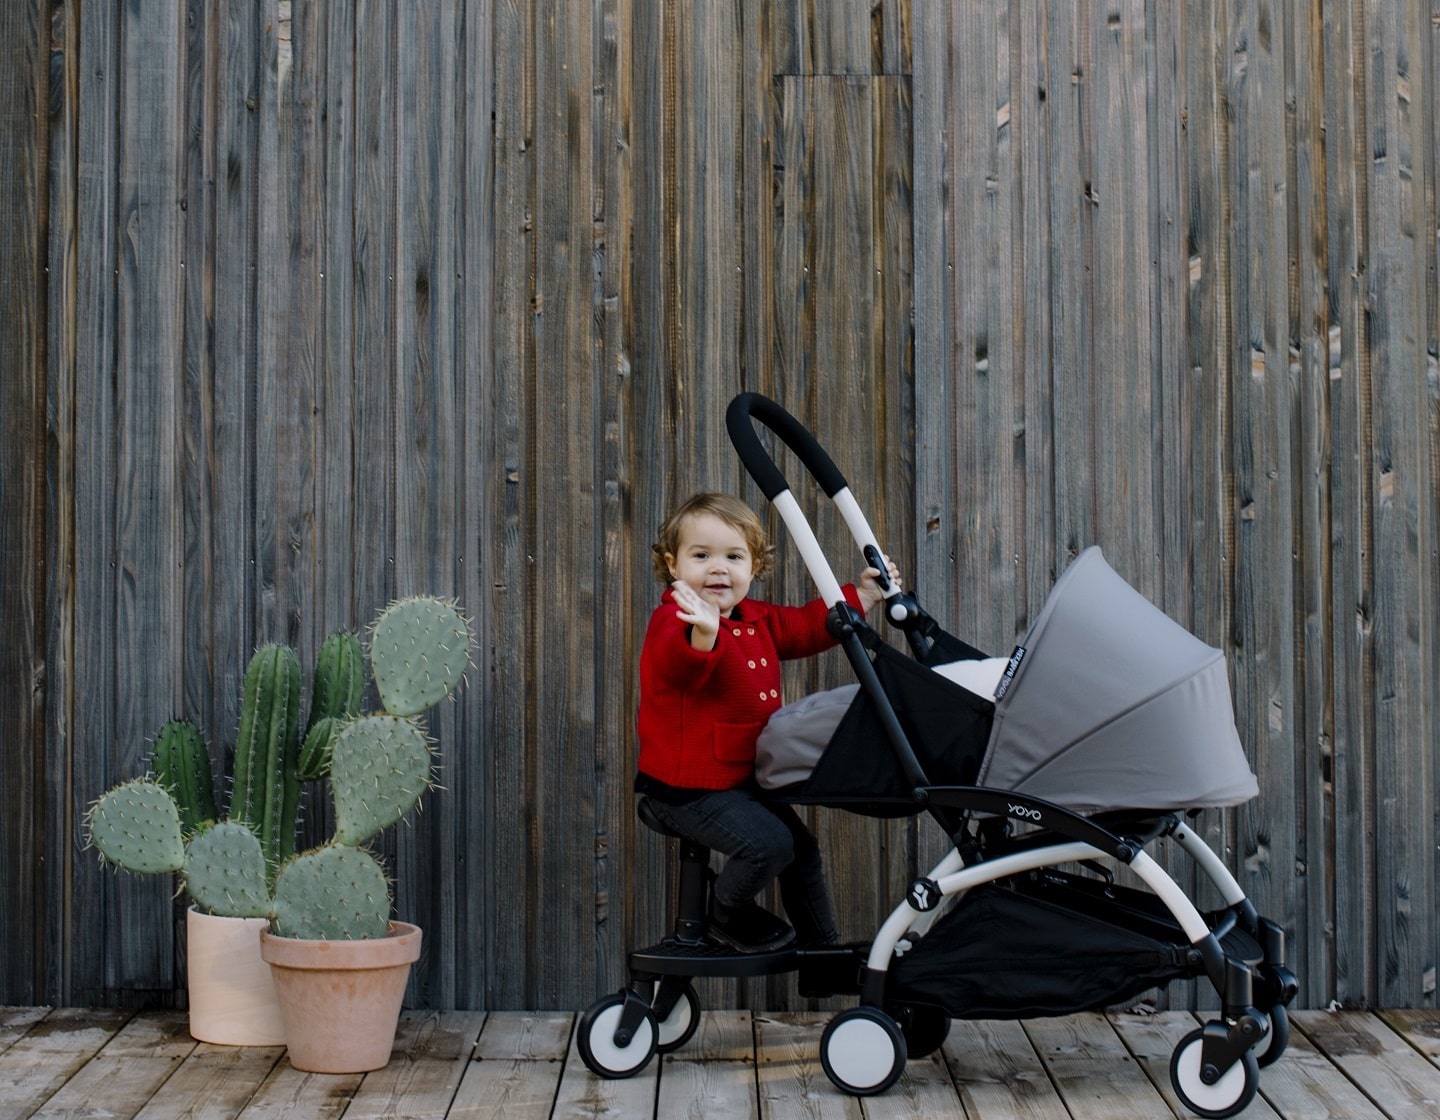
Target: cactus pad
{"points": [[137, 826], [225, 872], [419, 650], [334, 892], [379, 768]]}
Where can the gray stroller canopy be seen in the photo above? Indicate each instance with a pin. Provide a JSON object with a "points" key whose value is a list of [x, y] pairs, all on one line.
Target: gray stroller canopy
{"points": [[1112, 705]]}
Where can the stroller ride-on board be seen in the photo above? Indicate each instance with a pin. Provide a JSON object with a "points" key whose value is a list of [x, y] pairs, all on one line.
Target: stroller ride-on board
{"points": [[1110, 723]]}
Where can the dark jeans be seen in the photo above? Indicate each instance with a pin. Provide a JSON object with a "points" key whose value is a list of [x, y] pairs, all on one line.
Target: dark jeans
{"points": [[763, 840]]}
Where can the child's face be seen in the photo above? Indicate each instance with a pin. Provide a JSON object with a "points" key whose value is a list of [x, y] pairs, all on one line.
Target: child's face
{"points": [[714, 559]]}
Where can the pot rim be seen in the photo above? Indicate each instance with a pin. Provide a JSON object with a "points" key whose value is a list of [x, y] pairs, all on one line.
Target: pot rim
{"points": [[399, 946]]}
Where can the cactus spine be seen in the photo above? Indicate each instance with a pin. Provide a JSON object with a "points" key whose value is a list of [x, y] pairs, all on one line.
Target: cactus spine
{"points": [[267, 779], [182, 765]]}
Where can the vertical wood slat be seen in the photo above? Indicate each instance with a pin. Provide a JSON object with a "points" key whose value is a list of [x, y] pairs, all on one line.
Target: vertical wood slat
{"points": [[1264, 508], [1403, 486], [25, 122]]}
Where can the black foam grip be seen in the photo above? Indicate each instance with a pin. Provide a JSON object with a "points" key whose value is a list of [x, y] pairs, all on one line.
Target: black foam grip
{"points": [[739, 422]]}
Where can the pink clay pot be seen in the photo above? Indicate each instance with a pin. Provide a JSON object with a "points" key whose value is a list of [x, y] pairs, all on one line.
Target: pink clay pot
{"points": [[341, 999]]}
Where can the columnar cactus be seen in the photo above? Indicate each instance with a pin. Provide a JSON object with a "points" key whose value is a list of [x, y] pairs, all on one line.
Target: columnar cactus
{"points": [[379, 767], [267, 777], [182, 765], [339, 689]]}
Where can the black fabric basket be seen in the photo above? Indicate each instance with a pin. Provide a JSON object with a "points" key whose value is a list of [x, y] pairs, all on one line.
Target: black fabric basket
{"points": [[948, 728], [1010, 952]]}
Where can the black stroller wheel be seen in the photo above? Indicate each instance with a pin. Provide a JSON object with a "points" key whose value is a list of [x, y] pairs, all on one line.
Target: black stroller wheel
{"points": [[679, 1027], [595, 1037], [1231, 1094], [863, 1051], [924, 1026], [1268, 1051]]}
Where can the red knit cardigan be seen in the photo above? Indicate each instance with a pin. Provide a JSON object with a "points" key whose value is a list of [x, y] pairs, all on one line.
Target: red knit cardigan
{"points": [[701, 711]]}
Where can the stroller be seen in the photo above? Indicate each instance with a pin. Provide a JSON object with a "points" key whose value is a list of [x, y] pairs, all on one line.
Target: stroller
{"points": [[1109, 724]]}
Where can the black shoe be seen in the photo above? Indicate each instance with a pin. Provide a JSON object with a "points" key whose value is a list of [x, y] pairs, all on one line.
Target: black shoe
{"points": [[749, 928]]}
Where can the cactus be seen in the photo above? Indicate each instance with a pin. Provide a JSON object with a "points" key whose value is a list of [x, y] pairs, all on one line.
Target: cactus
{"points": [[335, 892], [380, 769], [225, 872], [137, 826], [267, 779], [419, 651], [336, 695], [182, 765]]}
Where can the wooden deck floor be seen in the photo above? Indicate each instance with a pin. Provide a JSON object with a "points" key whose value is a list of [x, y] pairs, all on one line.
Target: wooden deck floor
{"points": [[455, 1065]]}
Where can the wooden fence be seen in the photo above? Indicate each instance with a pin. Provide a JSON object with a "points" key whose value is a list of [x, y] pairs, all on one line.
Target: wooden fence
{"points": [[312, 304]]}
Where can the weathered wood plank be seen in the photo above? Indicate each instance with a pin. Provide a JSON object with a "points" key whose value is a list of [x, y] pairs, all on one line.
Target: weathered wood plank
{"points": [[1392, 1074], [498, 1087], [581, 1093], [998, 1073], [531, 1036], [51, 1052], [1090, 1066], [24, 202], [288, 1094], [213, 1083], [127, 1072], [690, 1087], [432, 1054], [792, 1081], [1402, 480]]}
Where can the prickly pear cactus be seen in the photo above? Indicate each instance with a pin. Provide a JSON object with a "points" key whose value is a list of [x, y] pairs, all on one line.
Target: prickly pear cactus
{"points": [[419, 650], [379, 769], [182, 765], [267, 778], [225, 872], [335, 892], [136, 826]]}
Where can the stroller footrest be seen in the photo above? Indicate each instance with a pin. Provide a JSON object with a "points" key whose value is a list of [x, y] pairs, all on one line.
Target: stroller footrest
{"points": [[673, 957], [834, 970]]}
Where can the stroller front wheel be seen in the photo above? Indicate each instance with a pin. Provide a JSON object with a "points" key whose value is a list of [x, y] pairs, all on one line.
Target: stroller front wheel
{"points": [[599, 1050], [863, 1051], [1231, 1094]]}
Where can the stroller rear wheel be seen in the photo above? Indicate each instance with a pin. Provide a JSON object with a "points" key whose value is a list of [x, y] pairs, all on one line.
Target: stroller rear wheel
{"points": [[1274, 1043], [677, 1028], [598, 1046], [863, 1051], [1231, 1093], [925, 1028]]}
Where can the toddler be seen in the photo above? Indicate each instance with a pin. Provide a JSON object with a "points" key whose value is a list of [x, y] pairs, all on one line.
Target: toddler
{"points": [[709, 680]]}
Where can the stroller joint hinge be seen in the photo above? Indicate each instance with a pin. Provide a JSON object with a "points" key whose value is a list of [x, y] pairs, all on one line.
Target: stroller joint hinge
{"points": [[924, 894]]}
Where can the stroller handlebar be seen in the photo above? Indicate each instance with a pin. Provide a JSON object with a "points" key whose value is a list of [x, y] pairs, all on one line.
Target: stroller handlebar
{"points": [[739, 422], [740, 419]]}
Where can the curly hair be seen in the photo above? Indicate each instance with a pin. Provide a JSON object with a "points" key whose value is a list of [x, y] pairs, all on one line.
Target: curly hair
{"points": [[733, 512]]}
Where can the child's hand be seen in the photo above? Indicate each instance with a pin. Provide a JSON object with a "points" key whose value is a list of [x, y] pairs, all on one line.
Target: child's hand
{"points": [[869, 584], [701, 613]]}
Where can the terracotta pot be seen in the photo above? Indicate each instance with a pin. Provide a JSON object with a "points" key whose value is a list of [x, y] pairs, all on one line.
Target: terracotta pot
{"points": [[232, 995], [341, 999]]}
